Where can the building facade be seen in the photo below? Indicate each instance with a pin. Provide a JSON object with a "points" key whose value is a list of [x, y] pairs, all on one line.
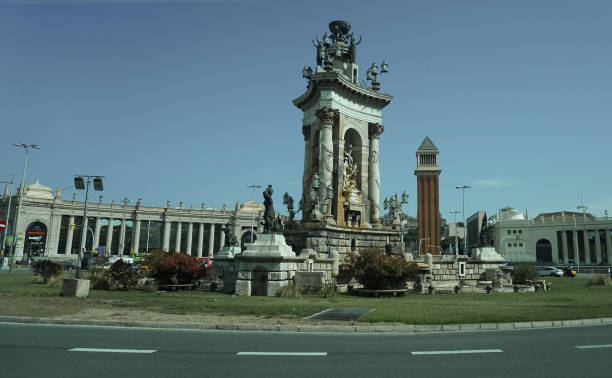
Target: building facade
{"points": [[51, 226]]}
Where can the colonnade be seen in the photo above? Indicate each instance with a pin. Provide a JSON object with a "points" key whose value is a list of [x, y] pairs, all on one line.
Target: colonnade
{"points": [[586, 245]]}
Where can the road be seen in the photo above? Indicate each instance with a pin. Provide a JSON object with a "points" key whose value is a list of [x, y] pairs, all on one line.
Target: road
{"points": [[51, 351]]}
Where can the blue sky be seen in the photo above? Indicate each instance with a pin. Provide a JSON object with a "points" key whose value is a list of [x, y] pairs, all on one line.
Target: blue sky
{"points": [[191, 100]]}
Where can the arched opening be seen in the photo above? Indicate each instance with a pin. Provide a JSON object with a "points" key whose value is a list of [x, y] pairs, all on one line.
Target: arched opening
{"points": [[36, 238], [353, 149], [543, 251], [245, 240], [259, 285]]}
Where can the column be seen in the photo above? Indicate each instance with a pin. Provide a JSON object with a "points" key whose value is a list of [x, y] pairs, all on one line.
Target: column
{"points": [[69, 234], [587, 248], [307, 159], [327, 118], [211, 240], [109, 237], [122, 237], [565, 253], [177, 242], [222, 238], [597, 247], [609, 245], [200, 239], [374, 131], [96, 241], [189, 238], [576, 249], [166, 236], [136, 236]]}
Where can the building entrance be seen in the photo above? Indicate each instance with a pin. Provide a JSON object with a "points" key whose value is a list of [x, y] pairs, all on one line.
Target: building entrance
{"points": [[36, 239]]}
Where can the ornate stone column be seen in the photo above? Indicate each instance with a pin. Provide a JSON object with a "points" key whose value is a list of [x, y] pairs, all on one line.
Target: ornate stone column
{"points": [[96, 241], [136, 236], [211, 240], [307, 158], [374, 131], [109, 237], [575, 243], [597, 247], [587, 247], [177, 241], [327, 118], [189, 238], [122, 237], [222, 238], [200, 239], [166, 236], [565, 253], [609, 245], [69, 235]]}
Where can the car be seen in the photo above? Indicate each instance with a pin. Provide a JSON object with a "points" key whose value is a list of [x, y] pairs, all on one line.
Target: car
{"points": [[67, 264], [550, 271]]}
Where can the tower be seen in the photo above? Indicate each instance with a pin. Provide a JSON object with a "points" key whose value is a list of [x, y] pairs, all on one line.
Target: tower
{"points": [[341, 124], [428, 200]]}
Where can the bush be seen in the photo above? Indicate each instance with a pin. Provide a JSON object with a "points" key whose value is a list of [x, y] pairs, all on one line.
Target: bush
{"points": [[600, 280], [287, 291], [171, 268], [46, 269], [378, 271], [524, 273], [328, 290], [99, 278], [123, 274]]}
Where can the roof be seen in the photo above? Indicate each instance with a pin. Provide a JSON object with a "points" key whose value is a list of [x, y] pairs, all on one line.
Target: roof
{"points": [[427, 145]]}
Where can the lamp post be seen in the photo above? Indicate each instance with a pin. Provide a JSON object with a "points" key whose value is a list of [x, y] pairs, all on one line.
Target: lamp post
{"points": [[82, 182], [253, 187], [463, 188], [8, 214], [455, 212], [26, 147]]}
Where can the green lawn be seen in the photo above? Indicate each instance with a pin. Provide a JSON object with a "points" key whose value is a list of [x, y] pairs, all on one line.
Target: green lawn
{"points": [[568, 299]]}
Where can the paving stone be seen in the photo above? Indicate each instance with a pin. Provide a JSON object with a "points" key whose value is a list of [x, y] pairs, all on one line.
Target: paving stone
{"points": [[542, 324]]}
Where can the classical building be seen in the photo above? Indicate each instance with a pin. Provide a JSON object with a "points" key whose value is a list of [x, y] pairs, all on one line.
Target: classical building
{"points": [[428, 197], [50, 226], [557, 237]]}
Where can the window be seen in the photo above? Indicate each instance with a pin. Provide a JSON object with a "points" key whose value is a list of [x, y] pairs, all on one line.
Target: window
{"points": [[515, 244], [509, 232], [520, 231], [520, 244], [514, 231], [509, 244], [461, 269]]}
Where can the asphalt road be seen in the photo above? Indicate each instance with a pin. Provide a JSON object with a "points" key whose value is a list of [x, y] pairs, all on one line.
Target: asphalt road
{"points": [[49, 351]]}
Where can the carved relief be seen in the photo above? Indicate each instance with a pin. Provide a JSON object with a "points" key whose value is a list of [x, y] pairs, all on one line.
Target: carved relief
{"points": [[327, 116], [374, 130]]}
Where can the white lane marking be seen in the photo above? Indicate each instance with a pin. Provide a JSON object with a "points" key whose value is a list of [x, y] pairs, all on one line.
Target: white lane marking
{"points": [[281, 354], [100, 350], [465, 351], [593, 346]]}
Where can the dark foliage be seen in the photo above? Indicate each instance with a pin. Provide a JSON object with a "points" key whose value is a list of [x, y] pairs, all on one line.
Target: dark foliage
{"points": [[123, 274], [46, 269], [378, 271], [524, 273], [171, 268]]}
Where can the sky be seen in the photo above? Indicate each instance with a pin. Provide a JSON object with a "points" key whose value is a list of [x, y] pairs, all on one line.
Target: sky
{"points": [[191, 100]]}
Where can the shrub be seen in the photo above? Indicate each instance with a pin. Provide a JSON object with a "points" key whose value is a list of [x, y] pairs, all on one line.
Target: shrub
{"points": [[99, 278], [123, 274], [600, 279], [378, 271], [171, 268], [524, 274], [328, 290], [287, 291], [46, 269]]}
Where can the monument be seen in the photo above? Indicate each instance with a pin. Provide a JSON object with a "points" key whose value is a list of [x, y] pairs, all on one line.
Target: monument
{"points": [[428, 198], [341, 125]]}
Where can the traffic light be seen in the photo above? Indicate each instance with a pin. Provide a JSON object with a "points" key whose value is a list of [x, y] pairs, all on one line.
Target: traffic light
{"points": [[79, 183], [98, 184]]}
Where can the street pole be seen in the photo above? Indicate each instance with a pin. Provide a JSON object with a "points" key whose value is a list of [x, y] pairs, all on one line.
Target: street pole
{"points": [[83, 231], [253, 187], [26, 147], [8, 216], [456, 233], [463, 188]]}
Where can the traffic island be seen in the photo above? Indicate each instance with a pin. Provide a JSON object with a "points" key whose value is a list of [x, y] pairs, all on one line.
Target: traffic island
{"points": [[74, 287]]}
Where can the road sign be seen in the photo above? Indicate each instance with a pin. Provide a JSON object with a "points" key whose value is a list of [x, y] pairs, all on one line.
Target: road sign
{"points": [[2, 225]]}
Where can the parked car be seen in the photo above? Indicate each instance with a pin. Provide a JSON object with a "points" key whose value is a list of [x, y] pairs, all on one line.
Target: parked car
{"points": [[551, 271], [67, 264]]}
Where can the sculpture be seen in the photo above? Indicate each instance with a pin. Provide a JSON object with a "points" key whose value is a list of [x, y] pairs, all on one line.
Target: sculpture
{"points": [[394, 205], [272, 223], [288, 201], [349, 172], [230, 235]]}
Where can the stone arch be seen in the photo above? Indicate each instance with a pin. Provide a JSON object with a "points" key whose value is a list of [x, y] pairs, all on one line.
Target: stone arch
{"points": [[36, 235], [259, 284], [245, 238], [354, 138], [544, 251]]}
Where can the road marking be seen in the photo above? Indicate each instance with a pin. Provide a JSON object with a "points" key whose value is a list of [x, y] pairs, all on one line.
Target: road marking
{"points": [[100, 350], [465, 351], [593, 346], [281, 354]]}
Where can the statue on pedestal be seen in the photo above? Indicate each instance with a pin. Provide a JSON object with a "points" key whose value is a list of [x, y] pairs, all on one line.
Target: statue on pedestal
{"points": [[272, 223]]}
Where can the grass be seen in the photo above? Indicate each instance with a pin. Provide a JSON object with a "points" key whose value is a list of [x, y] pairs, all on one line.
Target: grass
{"points": [[568, 299]]}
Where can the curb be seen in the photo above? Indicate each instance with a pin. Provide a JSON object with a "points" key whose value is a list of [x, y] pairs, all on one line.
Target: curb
{"points": [[356, 329]]}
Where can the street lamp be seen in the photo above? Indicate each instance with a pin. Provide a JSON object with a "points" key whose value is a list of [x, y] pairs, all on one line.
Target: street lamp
{"points": [[8, 214], [80, 184], [253, 187], [26, 147], [463, 188], [455, 212]]}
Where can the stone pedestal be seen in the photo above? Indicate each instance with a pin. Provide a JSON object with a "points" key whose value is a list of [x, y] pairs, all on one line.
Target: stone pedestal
{"points": [[72, 287]]}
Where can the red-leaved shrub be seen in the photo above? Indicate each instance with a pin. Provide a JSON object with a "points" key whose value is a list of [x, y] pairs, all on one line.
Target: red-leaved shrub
{"points": [[171, 268]]}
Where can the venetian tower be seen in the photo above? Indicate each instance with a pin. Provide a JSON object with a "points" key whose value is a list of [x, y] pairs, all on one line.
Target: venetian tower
{"points": [[341, 124], [428, 198]]}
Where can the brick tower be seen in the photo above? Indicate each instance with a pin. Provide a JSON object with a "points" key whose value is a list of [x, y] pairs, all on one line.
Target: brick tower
{"points": [[428, 213]]}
